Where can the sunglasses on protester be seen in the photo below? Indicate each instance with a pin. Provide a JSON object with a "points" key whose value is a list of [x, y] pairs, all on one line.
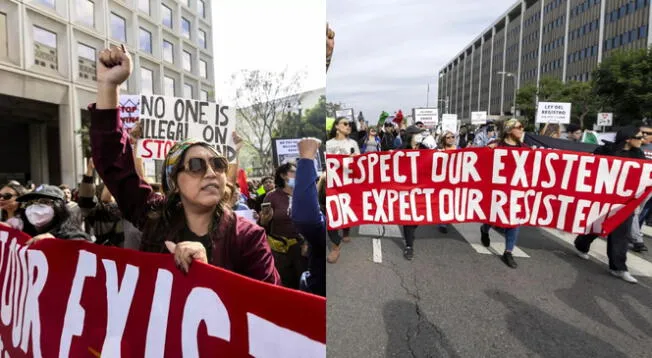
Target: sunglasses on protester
{"points": [[450, 137], [518, 127], [7, 196], [645, 134], [200, 166], [638, 137], [344, 123]]}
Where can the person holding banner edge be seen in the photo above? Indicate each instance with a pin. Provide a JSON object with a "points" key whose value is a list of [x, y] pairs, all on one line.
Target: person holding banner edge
{"points": [[511, 138], [190, 222]]}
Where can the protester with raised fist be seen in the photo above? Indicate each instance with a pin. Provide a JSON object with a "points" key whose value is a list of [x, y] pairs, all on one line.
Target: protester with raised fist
{"points": [[511, 138], [330, 44], [190, 222]]}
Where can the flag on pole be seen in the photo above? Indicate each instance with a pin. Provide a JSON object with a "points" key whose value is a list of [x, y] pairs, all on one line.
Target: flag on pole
{"points": [[398, 119], [382, 118]]}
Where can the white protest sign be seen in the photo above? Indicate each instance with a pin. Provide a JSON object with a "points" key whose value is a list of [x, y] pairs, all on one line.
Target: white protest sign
{"points": [[287, 151], [129, 108], [553, 112], [428, 116], [166, 120], [347, 113], [605, 119], [449, 123], [478, 118]]}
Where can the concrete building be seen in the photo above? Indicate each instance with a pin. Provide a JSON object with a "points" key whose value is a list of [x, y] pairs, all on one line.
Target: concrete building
{"points": [[47, 71], [565, 39]]}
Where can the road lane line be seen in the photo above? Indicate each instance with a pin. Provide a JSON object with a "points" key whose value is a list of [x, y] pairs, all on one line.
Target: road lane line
{"points": [[377, 251], [471, 234]]}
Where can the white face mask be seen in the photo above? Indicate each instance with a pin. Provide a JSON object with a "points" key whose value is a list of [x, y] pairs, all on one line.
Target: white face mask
{"points": [[39, 215]]}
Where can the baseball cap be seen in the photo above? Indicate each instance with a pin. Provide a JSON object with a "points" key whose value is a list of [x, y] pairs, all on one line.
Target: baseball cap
{"points": [[43, 191]]}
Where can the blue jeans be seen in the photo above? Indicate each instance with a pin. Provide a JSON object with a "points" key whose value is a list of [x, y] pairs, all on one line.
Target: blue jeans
{"points": [[644, 213], [511, 236]]}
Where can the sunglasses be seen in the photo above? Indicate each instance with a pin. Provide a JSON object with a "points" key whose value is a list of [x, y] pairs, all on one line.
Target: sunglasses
{"points": [[647, 133], [200, 166], [450, 137], [346, 124], [7, 196], [518, 127], [638, 137]]}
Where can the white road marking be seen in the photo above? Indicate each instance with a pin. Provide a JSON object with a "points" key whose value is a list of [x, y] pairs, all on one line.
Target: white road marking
{"points": [[377, 230], [377, 251], [647, 230], [636, 265], [471, 233]]}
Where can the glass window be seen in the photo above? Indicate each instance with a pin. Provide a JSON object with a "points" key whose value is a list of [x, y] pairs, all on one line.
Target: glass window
{"points": [[48, 3], [166, 14], [86, 52], [187, 91], [45, 48], [168, 51], [86, 62], [201, 8], [145, 40], [187, 61], [204, 95], [168, 86], [118, 28], [202, 38], [185, 28], [146, 81], [86, 12], [4, 45], [143, 5], [203, 68]]}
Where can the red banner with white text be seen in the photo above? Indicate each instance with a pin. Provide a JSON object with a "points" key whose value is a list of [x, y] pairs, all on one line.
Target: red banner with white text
{"points": [[76, 299], [506, 187]]}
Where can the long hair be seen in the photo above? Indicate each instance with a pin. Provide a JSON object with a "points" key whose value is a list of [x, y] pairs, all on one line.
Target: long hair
{"points": [[321, 193], [280, 171], [442, 139], [333, 133]]}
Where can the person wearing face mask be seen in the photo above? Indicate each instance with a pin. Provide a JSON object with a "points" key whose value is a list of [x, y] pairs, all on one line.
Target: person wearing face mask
{"points": [[190, 221], [46, 215], [285, 240]]}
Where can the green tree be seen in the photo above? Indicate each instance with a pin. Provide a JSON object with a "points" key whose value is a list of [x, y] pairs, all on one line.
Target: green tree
{"points": [[624, 83], [310, 124]]}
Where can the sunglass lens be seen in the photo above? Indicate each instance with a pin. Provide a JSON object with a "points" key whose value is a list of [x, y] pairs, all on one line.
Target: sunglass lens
{"points": [[219, 164], [6, 196], [196, 165]]}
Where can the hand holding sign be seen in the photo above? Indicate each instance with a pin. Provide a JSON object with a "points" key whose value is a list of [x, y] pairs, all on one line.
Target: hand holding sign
{"points": [[38, 238], [113, 66], [185, 252], [308, 148]]}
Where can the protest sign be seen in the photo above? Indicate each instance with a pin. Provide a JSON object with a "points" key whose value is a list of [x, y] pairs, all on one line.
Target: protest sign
{"points": [[507, 187], [75, 299], [449, 123], [605, 119], [129, 109], [478, 118], [287, 151], [166, 120], [428, 116], [552, 112]]}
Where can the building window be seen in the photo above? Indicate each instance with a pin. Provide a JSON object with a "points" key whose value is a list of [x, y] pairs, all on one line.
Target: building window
{"points": [[45, 48], [187, 91], [202, 38], [204, 95], [146, 81], [4, 45], [48, 3], [168, 51], [166, 14], [86, 62], [201, 8], [185, 28], [118, 28], [168, 86], [187, 61], [145, 40], [86, 12], [203, 69], [143, 5]]}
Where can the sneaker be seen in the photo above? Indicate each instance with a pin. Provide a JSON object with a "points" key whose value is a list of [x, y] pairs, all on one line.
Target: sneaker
{"points": [[508, 259], [408, 253], [443, 229], [584, 255], [639, 247], [625, 275], [484, 237], [334, 254]]}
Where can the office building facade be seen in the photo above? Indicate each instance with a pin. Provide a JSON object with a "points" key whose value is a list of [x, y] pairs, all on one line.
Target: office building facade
{"points": [[534, 39], [48, 52]]}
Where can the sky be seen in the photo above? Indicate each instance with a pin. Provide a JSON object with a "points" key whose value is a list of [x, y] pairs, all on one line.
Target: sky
{"points": [[388, 51], [269, 36]]}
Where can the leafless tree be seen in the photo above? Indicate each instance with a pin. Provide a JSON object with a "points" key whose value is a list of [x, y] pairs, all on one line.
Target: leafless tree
{"points": [[262, 100]]}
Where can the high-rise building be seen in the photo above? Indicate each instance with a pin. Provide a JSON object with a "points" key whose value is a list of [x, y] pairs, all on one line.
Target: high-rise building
{"points": [[533, 39], [48, 51]]}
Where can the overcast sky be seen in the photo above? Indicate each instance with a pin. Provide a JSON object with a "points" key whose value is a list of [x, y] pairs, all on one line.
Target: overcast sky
{"points": [[387, 51], [268, 35]]}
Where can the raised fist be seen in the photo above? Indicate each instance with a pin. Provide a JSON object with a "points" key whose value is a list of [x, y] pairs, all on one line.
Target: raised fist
{"points": [[113, 66], [308, 148]]}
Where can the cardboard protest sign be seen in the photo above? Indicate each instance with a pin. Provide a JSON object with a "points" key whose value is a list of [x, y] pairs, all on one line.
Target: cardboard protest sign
{"points": [[129, 109], [287, 151], [76, 299], [166, 120], [508, 187], [428, 116], [553, 112]]}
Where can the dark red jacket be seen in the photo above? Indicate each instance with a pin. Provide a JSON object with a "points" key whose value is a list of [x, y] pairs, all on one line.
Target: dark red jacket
{"points": [[238, 245]]}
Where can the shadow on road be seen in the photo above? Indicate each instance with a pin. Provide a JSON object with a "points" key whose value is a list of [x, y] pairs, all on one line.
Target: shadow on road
{"points": [[548, 336], [593, 283], [410, 334]]}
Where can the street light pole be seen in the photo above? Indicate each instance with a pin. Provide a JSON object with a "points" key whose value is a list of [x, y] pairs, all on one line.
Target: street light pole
{"points": [[509, 74]]}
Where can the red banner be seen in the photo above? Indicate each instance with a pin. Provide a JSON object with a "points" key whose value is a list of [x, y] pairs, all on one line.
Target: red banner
{"points": [[569, 191], [76, 299]]}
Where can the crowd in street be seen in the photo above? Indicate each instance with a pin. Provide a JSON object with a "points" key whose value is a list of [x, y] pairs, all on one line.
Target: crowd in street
{"points": [[630, 142]]}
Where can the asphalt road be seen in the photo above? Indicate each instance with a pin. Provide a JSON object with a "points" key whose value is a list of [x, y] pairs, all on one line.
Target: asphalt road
{"points": [[453, 300]]}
